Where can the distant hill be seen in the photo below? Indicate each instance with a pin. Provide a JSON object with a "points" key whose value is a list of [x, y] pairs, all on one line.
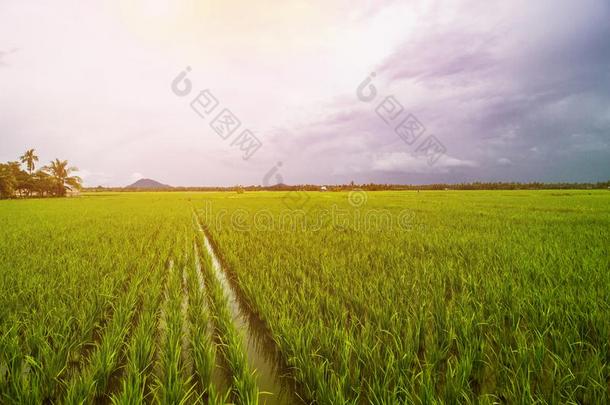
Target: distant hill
{"points": [[280, 186], [148, 184]]}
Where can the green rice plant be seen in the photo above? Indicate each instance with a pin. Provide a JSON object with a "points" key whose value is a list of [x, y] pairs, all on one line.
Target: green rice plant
{"points": [[173, 385], [57, 291], [94, 379], [141, 349], [245, 390], [203, 349], [490, 296], [485, 297]]}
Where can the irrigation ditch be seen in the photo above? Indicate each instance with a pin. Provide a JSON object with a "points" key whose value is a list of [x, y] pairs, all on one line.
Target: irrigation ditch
{"points": [[273, 376], [220, 374]]}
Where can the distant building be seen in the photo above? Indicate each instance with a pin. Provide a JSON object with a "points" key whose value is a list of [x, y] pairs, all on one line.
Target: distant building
{"points": [[323, 188]]}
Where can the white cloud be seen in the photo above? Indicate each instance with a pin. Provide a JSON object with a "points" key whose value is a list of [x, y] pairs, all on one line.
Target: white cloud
{"points": [[136, 176], [409, 163], [93, 178], [91, 81]]}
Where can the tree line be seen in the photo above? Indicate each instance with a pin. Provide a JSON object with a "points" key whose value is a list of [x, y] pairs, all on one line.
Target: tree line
{"points": [[56, 179], [375, 187]]}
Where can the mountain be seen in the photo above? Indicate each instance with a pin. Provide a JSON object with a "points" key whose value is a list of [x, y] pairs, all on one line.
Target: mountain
{"points": [[280, 186], [148, 184]]}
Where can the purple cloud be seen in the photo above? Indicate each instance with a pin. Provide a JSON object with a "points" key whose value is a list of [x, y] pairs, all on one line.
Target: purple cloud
{"points": [[496, 96]]}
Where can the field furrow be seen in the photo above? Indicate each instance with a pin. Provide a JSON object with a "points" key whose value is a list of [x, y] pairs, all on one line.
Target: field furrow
{"points": [[244, 388], [150, 298], [137, 375], [209, 375], [93, 380]]}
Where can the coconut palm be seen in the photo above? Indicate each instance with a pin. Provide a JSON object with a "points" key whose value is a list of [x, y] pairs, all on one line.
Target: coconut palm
{"points": [[62, 176], [29, 157]]}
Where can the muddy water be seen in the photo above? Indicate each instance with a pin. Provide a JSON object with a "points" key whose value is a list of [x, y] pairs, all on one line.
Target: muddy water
{"points": [[273, 383], [219, 375]]}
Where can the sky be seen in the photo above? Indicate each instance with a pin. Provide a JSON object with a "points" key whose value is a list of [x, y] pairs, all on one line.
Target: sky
{"points": [[226, 92]]}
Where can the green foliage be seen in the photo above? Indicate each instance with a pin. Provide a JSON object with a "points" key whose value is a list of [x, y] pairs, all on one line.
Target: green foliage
{"points": [[8, 181], [62, 177], [482, 297], [29, 158], [56, 179], [245, 390]]}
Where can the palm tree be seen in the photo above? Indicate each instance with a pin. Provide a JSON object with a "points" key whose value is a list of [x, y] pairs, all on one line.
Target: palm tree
{"points": [[29, 157], [62, 176]]}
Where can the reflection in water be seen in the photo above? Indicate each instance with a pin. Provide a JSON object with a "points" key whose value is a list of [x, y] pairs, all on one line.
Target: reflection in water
{"points": [[219, 374], [271, 377]]}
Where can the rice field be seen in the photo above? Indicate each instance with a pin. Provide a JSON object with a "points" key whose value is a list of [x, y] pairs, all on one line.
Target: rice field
{"points": [[325, 298]]}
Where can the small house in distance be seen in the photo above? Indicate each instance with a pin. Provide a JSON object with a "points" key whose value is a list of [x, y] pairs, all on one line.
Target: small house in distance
{"points": [[323, 188]]}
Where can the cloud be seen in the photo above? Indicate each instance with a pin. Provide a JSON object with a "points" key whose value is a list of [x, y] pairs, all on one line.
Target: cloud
{"points": [[408, 163], [92, 178], [520, 81], [136, 176], [496, 92], [509, 92]]}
